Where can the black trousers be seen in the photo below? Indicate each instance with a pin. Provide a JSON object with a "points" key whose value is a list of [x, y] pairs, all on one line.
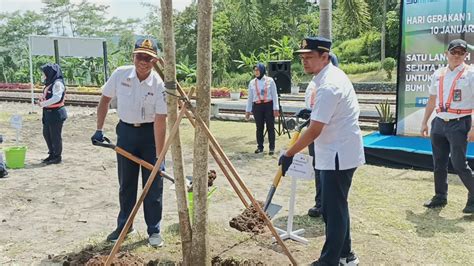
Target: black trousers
{"points": [[139, 141], [335, 190], [263, 114], [450, 138], [317, 177], [53, 120]]}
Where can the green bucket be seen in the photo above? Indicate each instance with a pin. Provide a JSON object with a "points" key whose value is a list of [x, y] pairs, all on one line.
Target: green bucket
{"points": [[15, 157]]}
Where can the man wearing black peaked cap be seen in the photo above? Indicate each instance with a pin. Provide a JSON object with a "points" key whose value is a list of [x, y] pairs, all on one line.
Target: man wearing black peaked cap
{"points": [[337, 138]]}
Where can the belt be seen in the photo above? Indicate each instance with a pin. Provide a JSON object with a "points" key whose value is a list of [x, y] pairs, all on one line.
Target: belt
{"points": [[262, 102], [137, 124], [454, 119]]}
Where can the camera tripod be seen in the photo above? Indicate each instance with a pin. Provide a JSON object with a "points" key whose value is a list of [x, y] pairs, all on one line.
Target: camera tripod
{"points": [[282, 127]]}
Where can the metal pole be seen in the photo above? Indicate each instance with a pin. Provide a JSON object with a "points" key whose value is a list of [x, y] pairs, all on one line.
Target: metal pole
{"points": [[31, 74], [104, 48], [56, 52]]}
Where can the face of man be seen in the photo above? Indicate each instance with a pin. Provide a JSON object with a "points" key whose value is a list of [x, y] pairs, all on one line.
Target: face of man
{"points": [[456, 56], [143, 64], [313, 62]]}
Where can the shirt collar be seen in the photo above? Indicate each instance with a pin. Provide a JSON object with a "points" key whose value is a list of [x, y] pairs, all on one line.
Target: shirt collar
{"points": [[148, 80], [317, 78]]}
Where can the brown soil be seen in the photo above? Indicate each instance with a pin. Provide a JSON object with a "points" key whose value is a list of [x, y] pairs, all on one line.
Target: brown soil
{"points": [[211, 176], [218, 261], [249, 221], [120, 259]]}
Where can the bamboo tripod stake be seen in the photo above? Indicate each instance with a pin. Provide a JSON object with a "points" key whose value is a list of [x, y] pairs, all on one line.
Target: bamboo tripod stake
{"points": [[215, 150]]}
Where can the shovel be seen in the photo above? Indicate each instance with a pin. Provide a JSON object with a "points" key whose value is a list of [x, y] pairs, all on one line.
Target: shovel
{"points": [[108, 144], [277, 178]]}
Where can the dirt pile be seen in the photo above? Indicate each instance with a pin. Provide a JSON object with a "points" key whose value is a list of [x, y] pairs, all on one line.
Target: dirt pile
{"points": [[119, 260], [249, 220], [211, 177], [218, 261]]}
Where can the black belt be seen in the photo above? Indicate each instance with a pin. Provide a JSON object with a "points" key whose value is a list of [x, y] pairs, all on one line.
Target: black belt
{"points": [[262, 102], [137, 124], [454, 119]]}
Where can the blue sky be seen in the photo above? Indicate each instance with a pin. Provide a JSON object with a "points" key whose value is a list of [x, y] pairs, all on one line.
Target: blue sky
{"points": [[117, 8]]}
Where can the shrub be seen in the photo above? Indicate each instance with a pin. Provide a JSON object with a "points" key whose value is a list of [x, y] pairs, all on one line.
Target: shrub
{"points": [[356, 68], [385, 114], [388, 65]]}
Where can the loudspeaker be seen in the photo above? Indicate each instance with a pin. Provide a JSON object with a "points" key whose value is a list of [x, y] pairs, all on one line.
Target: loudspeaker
{"points": [[280, 71]]}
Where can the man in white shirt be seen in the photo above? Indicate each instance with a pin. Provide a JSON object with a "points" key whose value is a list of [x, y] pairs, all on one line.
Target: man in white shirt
{"points": [[452, 94], [141, 107], [338, 146]]}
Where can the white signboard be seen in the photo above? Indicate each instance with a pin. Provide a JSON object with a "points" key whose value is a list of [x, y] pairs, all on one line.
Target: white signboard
{"points": [[68, 46], [302, 167], [16, 121]]}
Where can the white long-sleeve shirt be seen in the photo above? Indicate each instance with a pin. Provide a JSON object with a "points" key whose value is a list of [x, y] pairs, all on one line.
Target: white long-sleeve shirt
{"points": [[58, 90], [272, 94]]}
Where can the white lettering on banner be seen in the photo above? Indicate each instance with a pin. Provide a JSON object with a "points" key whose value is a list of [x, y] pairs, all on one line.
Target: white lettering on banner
{"points": [[456, 17], [418, 77], [415, 20], [415, 87], [450, 29], [421, 67]]}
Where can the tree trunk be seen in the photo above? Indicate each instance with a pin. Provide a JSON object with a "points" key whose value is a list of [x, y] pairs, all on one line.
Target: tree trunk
{"points": [[325, 21], [383, 33], [176, 152], [201, 142]]}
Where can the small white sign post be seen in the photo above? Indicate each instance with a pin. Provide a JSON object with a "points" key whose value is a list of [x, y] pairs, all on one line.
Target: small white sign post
{"points": [[16, 122], [301, 168]]}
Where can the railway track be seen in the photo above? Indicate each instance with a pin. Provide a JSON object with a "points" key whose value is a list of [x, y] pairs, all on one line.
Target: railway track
{"points": [[80, 103]]}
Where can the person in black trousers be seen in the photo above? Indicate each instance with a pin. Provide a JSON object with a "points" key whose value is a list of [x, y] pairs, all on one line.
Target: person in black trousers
{"points": [[54, 112], [263, 104]]}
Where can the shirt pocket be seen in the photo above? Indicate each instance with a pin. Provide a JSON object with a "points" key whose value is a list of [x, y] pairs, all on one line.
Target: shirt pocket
{"points": [[466, 89], [149, 102]]}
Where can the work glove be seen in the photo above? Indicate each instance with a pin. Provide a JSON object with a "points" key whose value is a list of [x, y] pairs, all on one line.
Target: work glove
{"points": [[98, 136], [285, 162]]}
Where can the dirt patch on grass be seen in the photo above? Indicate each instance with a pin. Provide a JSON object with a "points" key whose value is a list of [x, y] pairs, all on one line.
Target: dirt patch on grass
{"points": [[218, 261], [249, 220]]}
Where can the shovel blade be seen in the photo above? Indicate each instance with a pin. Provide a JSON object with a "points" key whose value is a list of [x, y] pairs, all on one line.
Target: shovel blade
{"points": [[273, 209]]}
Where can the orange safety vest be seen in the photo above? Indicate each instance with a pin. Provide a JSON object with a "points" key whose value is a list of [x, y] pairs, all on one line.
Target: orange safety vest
{"points": [[55, 105], [265, 89], [446, 108]]}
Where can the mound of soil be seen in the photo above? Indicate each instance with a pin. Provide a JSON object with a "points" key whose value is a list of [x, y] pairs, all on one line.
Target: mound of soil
{"points": [[249, 221], [218, 261], [88, 257], [119, 260], [211, 176]]}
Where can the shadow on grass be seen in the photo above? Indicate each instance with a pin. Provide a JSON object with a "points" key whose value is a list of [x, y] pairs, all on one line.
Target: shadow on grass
{"points": [[313, 227], [429, 223]]}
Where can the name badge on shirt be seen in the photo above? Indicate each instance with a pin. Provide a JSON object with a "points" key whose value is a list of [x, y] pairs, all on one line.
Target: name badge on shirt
{"points": [[125, 84], [457, 97]]}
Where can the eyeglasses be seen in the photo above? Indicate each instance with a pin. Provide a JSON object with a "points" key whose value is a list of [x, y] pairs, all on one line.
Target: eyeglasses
{"points": [[458, 52], [143, 57]]}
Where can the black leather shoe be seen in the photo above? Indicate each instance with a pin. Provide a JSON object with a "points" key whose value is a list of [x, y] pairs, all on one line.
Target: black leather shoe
{"points": [[54, 160], [3, 173], [314, 211], [47, 158], [258, 150], [271, 152], [112, 237], [436, 202], [469, 206]]}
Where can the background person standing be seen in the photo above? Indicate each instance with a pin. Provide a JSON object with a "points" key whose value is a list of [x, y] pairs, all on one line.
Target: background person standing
{"points": [[141, 108], [337, 138], [262, 102], [54, 112], [452, 94]]}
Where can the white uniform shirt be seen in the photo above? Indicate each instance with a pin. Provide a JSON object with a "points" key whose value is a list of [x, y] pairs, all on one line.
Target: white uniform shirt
{"points": [[272, 94], [337, 107], [310, 95], [58, 89], [465, 84], [137, 102]]}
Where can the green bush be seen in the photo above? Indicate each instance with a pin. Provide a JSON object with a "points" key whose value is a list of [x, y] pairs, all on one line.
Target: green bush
{"points": [[388, 65], [356, 68], [361, 50]]}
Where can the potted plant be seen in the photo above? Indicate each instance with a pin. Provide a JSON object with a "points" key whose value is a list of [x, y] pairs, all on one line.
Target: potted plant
{"points": [[386, 119], [234, 93]]}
